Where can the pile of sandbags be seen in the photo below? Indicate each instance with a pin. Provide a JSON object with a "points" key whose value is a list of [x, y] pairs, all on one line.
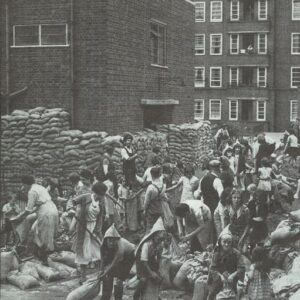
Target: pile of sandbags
{"points": [[188, 142], [286, 231]]}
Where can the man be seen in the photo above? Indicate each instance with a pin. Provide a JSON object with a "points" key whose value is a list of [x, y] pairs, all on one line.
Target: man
{"points": [[221, 136], [198, 222], [154, 154], [154, 196], [265, 149], [211, 186], [296, 127], [117, 260]]}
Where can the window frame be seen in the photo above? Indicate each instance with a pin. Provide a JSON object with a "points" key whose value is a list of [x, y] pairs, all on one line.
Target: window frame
{"points": [[237, 76], [40, 45], [265, 77], [210, 111], [210, 77], [293, 11], [259, 35], [259, 11], [291, 110], [211, 11], [203, 35], [199, 86], [204, 11], [230, 110], [210, 43], [238, 44], [202, 101], [292, 43], [165, 60], [231, 10], [257, 110], [292, 68]]}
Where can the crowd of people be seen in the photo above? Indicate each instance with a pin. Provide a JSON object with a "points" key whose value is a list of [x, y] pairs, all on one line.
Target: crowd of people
{"points": [[224, 207]]}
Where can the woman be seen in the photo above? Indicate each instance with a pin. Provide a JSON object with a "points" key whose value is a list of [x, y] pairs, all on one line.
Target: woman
{"points": [[88, 227], [148, 256], [291, 147], [239, 219], [226, 266], [128, 157], [45, 227]]}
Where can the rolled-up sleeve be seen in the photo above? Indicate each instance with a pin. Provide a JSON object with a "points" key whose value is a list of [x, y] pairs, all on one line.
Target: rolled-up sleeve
{"points": [[32, 200]]}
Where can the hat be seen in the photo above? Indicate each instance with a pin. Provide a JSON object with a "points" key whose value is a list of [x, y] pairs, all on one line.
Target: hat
{"points": [[214, 163], [112, 232], [158, 226], [251, 187]]}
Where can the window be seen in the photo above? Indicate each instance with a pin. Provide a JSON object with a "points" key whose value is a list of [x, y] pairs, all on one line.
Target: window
{"points": [[199, 109], [233, 110], [234, 10], [158, 44], [261, 111], [295, 43], [216, 11], [293, 110], [234, 44], [262, 43], [200, 44], [234, 76], [261, 77], [199, 77], [215, 76], [200, 11], [216, 44], [215, 109], [40, 35], [295, 77], [296, 10], [262, 10]]}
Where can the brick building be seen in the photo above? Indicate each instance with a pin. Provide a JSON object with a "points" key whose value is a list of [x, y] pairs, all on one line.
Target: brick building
{"points": [[247, 66], [114, 64]]}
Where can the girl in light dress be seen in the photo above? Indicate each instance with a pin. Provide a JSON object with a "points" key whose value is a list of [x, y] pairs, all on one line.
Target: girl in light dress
{"points": [[264, 175]]}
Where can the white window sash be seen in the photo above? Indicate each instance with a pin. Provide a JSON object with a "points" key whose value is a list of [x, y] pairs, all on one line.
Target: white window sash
{"points": [[264, 37], [211, 43], [198, 116], [292, 77], [237, 42], [232, 17], [218, 80], [262, 83], [265, 17], [292, 43], [204, 13], [293, 110], [237, 76], [202, 83], [211, 117], [211, 11], [198, 47], [295, 13], [230, 110], [258, 111]]}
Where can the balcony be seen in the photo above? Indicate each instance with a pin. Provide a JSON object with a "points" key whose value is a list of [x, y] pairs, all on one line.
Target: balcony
{"points": [[249, 85], [244, 25], [246, 58]]}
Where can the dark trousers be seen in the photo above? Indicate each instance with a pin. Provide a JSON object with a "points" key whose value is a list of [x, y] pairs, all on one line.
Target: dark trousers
{"points": [[107, 287]]}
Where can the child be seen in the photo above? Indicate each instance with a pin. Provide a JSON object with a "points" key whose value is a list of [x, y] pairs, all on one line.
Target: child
{"points": [[109, 204], [122, 197], [264, 175], [228, 152], [257, 281], [10, 210]]}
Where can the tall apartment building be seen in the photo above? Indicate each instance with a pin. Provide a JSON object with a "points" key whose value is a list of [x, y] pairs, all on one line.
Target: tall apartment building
{"points": [[115, 65], [247, 66]]}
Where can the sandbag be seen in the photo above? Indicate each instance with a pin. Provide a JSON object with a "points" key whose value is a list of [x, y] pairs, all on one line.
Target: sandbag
{"points": [[65, 257], [64, 270], [168, 215], [30, 268], [295, 215], [151, 292], [9, 262], [22, 281], [288, 261], [164, 271], [180, 281], [87, 291], [200, 288], [132, 283], [296, 296], [48, 274]]}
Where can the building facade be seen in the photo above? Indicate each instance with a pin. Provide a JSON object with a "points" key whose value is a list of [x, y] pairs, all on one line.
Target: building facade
{"points": [[247, 66], [116, 65]]}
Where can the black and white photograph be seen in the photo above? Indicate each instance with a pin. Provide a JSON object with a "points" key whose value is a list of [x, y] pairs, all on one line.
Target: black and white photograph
{"points": [[150, 149]]}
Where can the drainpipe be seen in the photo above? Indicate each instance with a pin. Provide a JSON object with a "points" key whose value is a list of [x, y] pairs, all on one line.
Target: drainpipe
{"points": [[274, 64], [72, 102], [7, 58]]}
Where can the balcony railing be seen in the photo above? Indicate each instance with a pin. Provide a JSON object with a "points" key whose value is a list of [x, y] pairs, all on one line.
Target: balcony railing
{"points": [[247, 52], [248, 85]]}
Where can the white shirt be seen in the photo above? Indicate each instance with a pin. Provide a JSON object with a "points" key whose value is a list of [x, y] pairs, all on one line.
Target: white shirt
{"points": [[217, 184], [292, 141]]}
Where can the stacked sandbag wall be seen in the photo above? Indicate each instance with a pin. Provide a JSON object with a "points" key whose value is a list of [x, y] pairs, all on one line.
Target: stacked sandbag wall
{"points": [[40, 142]]}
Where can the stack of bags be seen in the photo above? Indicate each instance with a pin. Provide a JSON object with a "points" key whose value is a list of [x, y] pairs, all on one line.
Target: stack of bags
{"points": [[189, 142]]}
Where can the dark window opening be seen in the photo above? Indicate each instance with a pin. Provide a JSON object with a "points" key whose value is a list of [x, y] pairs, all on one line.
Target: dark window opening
{"points": [[248, 9], [247, 110], [247, 76]]}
